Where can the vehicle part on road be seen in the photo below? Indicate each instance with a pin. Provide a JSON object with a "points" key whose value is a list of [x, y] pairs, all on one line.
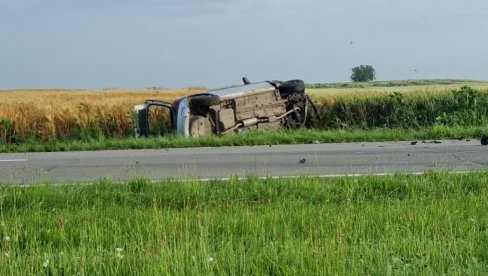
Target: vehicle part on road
{"points": [[484, 140], [264, 105]]}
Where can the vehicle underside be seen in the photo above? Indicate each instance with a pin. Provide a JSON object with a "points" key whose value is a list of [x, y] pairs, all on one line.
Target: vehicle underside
{"points": [[267, 105]]}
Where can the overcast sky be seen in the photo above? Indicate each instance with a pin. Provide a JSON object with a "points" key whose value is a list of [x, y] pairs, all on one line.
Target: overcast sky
{"points": [[144, 43]]}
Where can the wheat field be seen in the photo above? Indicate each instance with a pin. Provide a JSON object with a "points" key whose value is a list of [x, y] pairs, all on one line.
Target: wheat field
{"points": [[47, 113]]}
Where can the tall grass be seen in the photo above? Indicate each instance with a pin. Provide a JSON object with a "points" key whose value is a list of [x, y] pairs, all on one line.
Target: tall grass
{"points": [[430, 224], [461, 107]]}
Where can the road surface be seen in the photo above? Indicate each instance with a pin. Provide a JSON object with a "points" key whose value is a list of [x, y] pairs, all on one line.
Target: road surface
{"points": [[222, 162]]}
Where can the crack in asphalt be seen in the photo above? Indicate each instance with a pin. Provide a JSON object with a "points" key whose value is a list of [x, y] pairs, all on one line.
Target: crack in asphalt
{"points": [[466, 161]]}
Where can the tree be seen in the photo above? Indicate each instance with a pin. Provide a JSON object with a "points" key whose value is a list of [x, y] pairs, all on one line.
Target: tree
{"points": [[363, 73]]}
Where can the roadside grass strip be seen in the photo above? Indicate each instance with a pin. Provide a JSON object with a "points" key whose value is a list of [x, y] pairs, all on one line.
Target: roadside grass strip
{"points": [[254, 138], [434, 223]]}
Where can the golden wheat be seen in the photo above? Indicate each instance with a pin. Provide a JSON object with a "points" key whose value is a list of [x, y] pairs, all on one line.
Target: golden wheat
{"points": [[56, 113]]}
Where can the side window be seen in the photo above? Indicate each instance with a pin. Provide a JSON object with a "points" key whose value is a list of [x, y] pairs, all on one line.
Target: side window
{"points": [[159, 120]]}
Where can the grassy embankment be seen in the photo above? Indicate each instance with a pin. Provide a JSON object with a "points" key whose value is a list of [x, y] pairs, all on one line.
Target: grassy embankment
{"points": [[300, 136], [430, 224], [80, 119]]}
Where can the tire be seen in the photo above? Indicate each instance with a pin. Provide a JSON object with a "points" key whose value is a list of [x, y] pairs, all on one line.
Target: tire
{"points": [[293, 86], [297, 118], [275, 83], [204, 100]]}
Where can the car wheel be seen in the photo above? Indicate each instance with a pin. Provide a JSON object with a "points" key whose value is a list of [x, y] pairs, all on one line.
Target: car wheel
{"points": [[293, 86], [297, 118]]}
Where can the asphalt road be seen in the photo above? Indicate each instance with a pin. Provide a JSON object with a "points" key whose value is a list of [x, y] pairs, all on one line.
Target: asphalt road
{"points": [[222, 162]]}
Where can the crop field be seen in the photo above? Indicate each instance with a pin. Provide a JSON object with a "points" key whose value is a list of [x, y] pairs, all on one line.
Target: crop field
{"points": [[402, 107], [435, 223], [382, 87], [47, 113], [86, 114]]}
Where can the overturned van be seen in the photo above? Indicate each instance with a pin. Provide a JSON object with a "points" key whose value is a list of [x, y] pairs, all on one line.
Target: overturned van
{"points": [[267, 105]]}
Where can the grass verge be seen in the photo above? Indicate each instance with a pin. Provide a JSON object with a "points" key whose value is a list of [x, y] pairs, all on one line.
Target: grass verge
{"points": [[300, 136], [401, 224]]}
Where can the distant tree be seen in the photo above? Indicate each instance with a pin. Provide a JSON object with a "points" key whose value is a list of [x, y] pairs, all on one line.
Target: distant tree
{"points": [[363, 73]]}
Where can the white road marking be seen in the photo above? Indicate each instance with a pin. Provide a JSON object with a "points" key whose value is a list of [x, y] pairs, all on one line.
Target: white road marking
{"points": [[204, 180], [14, 160], [317, 176]]}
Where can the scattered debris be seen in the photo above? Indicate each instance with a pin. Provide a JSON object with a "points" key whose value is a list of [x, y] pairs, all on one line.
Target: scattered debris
{"points": [[302, 161], [431, 142], [484, 140]]}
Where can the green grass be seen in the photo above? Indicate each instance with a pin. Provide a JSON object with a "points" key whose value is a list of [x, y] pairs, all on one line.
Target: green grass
{"points": [[430, 224], [299, 136], [465, 106]]}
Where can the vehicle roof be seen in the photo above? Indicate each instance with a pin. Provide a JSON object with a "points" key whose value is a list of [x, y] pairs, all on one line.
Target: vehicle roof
{"points": [[240, 90]]}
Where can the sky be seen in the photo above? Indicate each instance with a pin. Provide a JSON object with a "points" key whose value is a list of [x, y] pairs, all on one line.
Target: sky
{"points": [[213, 43]]}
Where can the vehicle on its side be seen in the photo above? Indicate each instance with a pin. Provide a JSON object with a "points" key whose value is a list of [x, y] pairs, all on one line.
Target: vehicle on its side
{"points": [[264, 105]]}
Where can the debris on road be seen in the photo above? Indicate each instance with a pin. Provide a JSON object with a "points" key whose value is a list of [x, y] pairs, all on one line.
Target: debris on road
{"points": [[431, 142], [484, 140]]}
